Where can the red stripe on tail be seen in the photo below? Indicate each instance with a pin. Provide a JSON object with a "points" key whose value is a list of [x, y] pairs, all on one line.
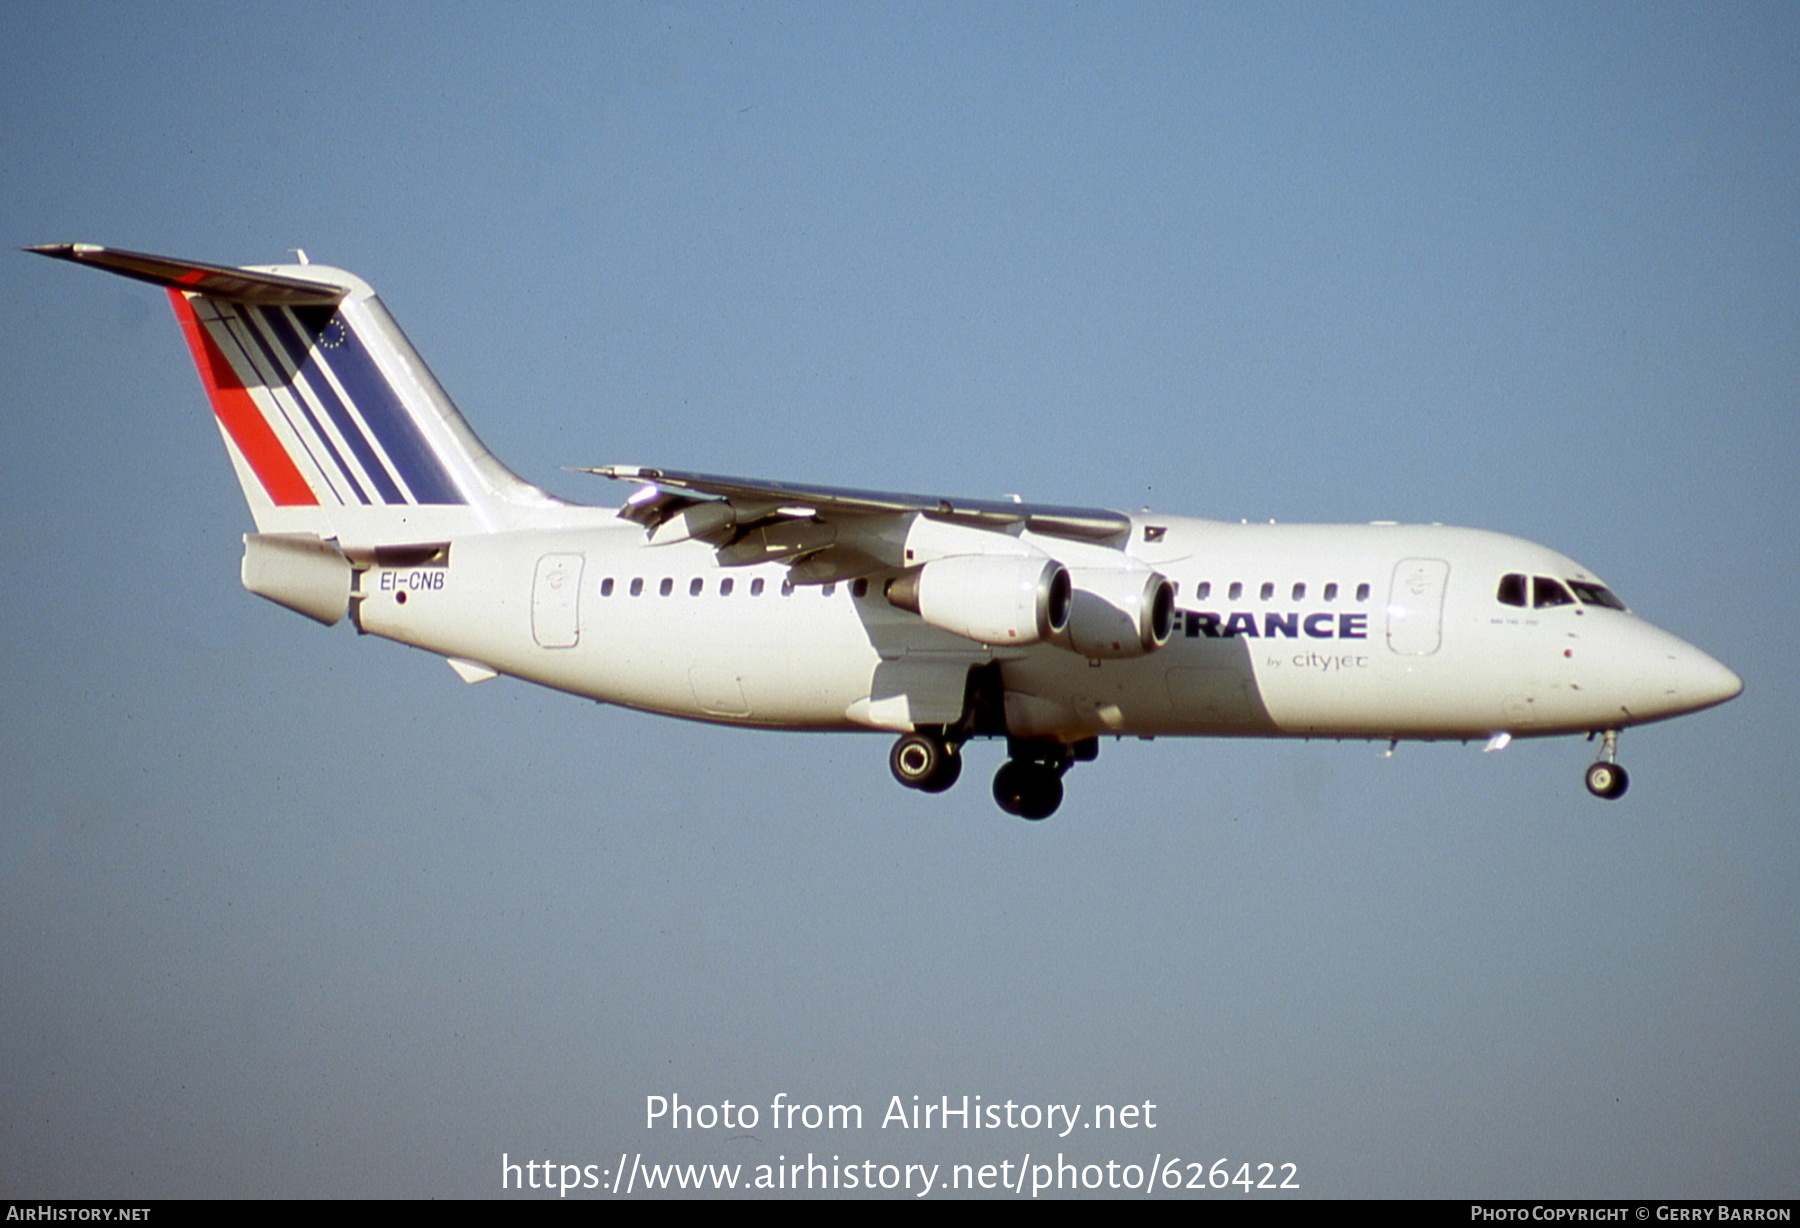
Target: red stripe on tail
{"points": [[240, 417]]}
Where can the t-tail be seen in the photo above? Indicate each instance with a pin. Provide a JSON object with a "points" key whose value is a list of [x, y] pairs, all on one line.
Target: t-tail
{"points": [[348, 450], [335, 425]]}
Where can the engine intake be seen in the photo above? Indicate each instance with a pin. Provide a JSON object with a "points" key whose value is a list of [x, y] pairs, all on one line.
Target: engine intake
{"points": [[1119, 614]]}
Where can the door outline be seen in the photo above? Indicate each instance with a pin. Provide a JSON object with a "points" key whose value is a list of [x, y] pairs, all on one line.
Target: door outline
{"points": [[1415, 609], [556, 601]]}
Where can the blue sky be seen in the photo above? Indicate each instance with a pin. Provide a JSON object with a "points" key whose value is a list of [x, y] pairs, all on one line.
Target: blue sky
{"points": [[285, 912]]}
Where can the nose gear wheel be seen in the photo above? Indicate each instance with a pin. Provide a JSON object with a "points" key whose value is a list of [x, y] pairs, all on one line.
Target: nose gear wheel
{"points": [[1605, 778]]}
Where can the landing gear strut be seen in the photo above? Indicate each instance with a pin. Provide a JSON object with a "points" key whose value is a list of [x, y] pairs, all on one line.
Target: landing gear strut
{"points": [[1605, 778], [925, 761]]}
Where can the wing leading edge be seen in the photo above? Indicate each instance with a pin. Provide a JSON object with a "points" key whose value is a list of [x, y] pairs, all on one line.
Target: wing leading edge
{"points": [[214, 280], [752, 494]]}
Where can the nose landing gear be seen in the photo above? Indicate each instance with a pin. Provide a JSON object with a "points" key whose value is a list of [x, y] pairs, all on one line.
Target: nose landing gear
{"points": [[1605, 778]]}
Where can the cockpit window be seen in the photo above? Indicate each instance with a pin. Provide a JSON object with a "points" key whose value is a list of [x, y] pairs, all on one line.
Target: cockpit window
{"points": [[1548, 592], [1596, 594], [1512, 589]]}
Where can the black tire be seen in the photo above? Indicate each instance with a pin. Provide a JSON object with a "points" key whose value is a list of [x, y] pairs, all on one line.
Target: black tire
{"points": [[920, 761], [1607, 780], [1009, 785], [948, 773], [1030, 790], [1045, 797]]}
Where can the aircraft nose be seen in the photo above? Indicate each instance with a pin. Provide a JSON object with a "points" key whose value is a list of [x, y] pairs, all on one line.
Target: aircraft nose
{"points": [[1703, 682], [1670, 676]]}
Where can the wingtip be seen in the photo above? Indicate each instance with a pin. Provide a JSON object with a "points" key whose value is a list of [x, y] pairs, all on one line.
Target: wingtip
{"points": [[625, 473]]}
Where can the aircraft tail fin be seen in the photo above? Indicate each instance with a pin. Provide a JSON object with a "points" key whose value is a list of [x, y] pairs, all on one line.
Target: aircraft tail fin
{"points": [[334, 424]]}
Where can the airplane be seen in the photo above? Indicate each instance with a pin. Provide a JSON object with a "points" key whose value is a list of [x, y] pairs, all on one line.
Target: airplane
{"points": [[777, 605]]}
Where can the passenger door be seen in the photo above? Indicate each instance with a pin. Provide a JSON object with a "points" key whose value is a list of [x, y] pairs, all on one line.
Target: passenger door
{"points": [[1415, 610], [556, 601]]}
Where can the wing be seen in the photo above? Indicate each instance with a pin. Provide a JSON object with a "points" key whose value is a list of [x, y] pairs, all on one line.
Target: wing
{"points": [[826, 532], [753, 494]]}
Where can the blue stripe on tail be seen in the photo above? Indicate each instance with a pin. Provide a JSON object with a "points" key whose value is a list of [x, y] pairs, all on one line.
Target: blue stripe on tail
{"points": [[336, 345], [288, 375], [306, 360]]}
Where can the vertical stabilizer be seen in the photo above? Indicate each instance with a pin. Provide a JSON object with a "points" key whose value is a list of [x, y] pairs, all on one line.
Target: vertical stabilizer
{"points": [[334, 424]]}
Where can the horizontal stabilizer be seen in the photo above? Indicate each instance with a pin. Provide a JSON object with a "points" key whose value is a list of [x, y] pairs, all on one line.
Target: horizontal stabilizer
{"points": [[215, 281]]}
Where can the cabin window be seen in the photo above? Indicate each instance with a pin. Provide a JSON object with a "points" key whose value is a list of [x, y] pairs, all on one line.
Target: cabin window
{"points": [[828, 590], [1596, 594], [606, 587], [1237, 590], [1362, 592], [1331, 592], [637, 586], [756, 587], [1546, 592], [726, 585], [695, 586], [667, 586], [859, 588], [1203, 590], [1299, 592], [1512, 589], [787, 588], [1268, 590]]}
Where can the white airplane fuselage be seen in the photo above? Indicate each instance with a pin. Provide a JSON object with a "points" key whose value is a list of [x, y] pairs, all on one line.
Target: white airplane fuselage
{"points": [[1456, 664]]}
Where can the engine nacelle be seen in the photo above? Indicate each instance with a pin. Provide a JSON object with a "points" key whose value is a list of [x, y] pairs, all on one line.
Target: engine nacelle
{"points": [[993, 599], [1118, 614]]}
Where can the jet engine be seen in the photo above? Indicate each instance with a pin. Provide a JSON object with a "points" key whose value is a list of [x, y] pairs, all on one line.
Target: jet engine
{"points": [[1118, 614], [994, 599]]}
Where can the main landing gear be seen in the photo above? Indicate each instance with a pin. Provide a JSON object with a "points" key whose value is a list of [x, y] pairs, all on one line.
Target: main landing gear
{"points": [[1605, 778], [1028, 784], [925, 762], [1030, 790]]}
